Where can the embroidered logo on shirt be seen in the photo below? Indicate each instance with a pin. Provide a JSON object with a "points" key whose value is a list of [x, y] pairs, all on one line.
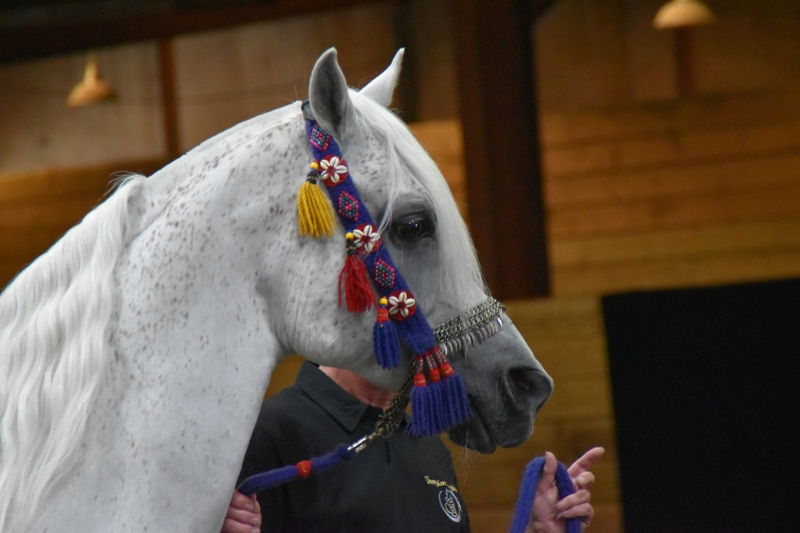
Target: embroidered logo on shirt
{"points": [[449, 503]]}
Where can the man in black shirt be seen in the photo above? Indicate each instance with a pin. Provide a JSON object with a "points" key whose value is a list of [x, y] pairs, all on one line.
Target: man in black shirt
{"points": [[402, 483]]}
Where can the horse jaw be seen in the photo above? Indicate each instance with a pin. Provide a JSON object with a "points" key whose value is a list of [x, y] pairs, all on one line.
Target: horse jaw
{"points": [[380, 89]]}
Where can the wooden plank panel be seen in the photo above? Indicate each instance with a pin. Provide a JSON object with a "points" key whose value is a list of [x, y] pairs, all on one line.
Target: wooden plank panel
{"points": [[557, 318], [689, 271], [707, 112], [679, 146], [571, 358], [284, 375], [443, 140], [483, 519], [440, 138], [580, 397], [92, 181], [24, 245], [703, 240], [662, 213], [719, 176], [46, 215]]}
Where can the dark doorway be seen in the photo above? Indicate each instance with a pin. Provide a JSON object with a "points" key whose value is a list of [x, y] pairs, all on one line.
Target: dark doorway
{"points": [[706, 386]]}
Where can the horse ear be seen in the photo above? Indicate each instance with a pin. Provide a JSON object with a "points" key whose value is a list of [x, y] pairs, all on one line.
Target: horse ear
{"points": [[381, 88], [329, 97]]}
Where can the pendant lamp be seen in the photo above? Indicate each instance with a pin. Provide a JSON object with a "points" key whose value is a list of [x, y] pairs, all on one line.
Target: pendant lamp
{"points": [[92, 89], [682, 13]]}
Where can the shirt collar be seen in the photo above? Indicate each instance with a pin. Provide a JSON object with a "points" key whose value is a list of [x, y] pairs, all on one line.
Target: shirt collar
{"points": [[347, 410]]}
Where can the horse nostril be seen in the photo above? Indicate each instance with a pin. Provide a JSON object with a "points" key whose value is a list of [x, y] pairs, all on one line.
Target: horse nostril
{"points": [[528, 387], [518, 377]]}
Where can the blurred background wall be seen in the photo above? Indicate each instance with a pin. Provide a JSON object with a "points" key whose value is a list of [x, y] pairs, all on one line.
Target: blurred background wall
{"points": [[644, 187]]}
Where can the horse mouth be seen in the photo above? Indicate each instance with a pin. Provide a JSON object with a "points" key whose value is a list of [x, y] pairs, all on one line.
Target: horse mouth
{"points": [[475, 433], [484, 433]]}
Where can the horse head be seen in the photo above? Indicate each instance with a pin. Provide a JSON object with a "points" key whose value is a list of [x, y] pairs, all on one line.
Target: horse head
{"points": [[426, 236]]}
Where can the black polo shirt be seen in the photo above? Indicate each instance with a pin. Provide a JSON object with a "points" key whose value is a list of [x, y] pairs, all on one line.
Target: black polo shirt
{"points": [[402, 483]]}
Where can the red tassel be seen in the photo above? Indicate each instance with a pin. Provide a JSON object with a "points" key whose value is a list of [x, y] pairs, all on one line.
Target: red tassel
{"points": [[355, 281]]}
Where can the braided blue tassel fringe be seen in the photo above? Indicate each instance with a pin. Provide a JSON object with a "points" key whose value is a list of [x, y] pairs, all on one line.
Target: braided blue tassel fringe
{"points": [[422, 421], [385, 344], [284, 474], [455, 404], [527, 491]]}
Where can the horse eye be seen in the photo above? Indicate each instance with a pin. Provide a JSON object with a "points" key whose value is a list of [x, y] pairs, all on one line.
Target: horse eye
{"points": [[413, 228]]}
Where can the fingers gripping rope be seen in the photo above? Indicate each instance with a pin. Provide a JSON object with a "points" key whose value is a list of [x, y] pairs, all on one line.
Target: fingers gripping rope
{"points": [[527, 492]]}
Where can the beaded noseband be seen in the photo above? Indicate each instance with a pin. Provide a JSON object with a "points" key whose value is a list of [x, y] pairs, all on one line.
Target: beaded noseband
{"points": [[473, 327]]}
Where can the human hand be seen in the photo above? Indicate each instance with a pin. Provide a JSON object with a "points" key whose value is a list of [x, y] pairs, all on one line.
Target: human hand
{"points": [[243, 516], [548, 513]]}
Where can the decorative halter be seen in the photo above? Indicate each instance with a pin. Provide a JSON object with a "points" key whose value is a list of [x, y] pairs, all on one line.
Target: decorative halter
{"points": [[437, 393], [438, 398]]}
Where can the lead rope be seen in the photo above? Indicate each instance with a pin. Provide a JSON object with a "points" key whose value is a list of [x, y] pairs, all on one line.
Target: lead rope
{"points": [[387, 424], [527, 492]]}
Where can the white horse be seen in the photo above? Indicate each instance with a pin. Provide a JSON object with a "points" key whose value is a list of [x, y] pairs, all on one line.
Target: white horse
{"points": [[130, 350]]}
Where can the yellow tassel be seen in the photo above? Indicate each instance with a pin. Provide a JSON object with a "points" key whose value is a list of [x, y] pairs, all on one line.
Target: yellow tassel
{"points": [[314, 211]]}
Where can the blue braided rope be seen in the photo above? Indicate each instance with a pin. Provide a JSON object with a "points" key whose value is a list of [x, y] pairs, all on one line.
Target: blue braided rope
{"points": [[278, 476], [527, 492]]}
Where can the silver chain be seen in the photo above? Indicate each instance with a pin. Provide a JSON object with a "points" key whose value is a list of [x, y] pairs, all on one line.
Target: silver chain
{"points": [[475, 326]]}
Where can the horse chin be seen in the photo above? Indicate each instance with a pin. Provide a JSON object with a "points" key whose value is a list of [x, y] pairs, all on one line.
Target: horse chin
{"points": [[474, 435], [484, 437]]}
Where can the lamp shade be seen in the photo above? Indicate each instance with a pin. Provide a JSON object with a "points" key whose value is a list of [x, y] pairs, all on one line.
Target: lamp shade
{"points": [[92, 89], [682, 13]]}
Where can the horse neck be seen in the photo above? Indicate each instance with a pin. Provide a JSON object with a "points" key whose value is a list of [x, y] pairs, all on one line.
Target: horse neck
{"points": [[194, 347]]}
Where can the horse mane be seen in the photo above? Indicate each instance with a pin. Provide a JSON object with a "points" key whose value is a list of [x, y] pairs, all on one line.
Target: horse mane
{"points": [[54, 350], [461, 270]]}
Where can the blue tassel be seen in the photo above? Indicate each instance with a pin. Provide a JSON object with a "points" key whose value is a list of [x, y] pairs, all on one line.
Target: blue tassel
{"points": [[455, 396], [437, 405], [429, 410], [421, 424], [527, 491], [385, 342]]}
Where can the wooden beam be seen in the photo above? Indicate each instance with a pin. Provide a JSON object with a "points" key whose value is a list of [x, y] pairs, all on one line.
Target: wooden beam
{"points": [[169, 99], [497, 93], [40, 40], [406, 94]]}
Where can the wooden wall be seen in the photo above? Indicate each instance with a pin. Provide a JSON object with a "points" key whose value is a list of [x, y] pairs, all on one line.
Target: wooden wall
{"points": [[37, 208], [674, 194]]}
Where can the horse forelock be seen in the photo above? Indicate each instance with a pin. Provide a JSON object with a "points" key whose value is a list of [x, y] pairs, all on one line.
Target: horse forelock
{"points": [[53, 352], [460, 276]]}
